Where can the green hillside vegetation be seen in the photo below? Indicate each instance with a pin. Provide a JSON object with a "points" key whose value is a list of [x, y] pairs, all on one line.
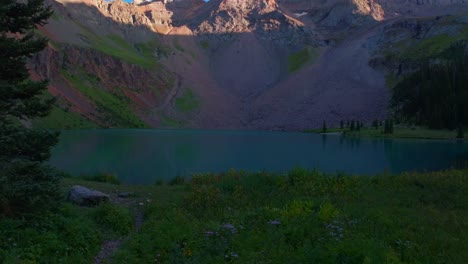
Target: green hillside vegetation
{"points": [[299, 59], [113, 46], [429, 47], [300, 217], [204, 44], [171, 122], [114, 106], [63, 119], [187, 102], [141, 54]]}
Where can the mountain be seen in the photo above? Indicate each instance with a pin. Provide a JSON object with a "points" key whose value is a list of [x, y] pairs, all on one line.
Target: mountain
{"points": [[240, 64]]}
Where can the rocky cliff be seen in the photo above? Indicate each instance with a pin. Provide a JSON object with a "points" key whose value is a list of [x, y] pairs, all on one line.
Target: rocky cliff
{"points": [[284, 64]]}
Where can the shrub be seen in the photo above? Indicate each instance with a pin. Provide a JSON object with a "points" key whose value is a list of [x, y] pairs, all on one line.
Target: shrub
{"points": [[65, 236], [178, 180], [204, 197], [116, 219], [460, 133], [27, 187], [159, 182], [327, 212], [103, 177]]}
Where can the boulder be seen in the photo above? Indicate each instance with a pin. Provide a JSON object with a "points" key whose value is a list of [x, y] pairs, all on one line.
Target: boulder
{"points": [[86, 197]]}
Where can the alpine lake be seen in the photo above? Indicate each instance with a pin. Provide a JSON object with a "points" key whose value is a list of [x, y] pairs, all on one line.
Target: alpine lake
{"points": [[145, 156]]}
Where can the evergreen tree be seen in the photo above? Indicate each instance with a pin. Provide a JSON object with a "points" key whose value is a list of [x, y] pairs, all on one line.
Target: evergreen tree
{"points": [[460, 132], [358, 125], [352, 126], [26, 184], [436, 94], [347, 124], [388, 127], [341, 124], [324, 127]]}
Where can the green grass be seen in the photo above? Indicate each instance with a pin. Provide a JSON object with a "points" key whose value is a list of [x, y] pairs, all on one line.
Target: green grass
{"points": [[187, 102], [392, 80], [69, 235], [297, 60], [307, 217], [63, 119], [301, 217], [167, 121], [115, 106], [55, 17], [117, 47], [204, 44], [429, 47], [102, 177], [152, 48], [415, 49]]}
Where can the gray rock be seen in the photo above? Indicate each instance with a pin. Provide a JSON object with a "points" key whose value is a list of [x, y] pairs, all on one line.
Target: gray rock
{"points": [[86, 197]]}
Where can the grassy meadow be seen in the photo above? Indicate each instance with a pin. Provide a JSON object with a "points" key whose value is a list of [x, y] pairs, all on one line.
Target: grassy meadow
{"points": [[236, 217]]}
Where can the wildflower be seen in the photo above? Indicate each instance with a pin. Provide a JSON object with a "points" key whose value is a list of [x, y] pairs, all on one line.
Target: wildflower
{"points": [[188, 252], [336, 231], [274, 222], [210, 233], [230, 227]]}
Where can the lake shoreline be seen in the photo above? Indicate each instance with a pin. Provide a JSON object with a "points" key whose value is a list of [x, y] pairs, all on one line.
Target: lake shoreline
{"points": [[399, 133]]}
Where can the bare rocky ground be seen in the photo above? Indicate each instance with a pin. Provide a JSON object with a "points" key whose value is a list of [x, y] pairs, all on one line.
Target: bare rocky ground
{"points": [[234, 56]]}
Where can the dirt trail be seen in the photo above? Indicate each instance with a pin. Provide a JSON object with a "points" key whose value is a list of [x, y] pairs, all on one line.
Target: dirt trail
{"points": [[109, 247], [174, 91]]}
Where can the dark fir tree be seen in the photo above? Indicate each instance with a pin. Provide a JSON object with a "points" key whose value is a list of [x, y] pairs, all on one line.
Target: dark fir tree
{"points": [[436, 94], [353, 125], [375, 124], [26, 184], [358, 125], [460, 132], [388, 126], [324, 127], [347, 124], [341, 124]]}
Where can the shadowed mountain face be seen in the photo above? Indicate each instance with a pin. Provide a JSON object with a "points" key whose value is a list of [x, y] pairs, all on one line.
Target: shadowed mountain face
{"points": [[236, 63]]}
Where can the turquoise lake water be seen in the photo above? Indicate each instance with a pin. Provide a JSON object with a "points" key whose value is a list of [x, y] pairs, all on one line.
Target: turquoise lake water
{"points": [[144, 156]]}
